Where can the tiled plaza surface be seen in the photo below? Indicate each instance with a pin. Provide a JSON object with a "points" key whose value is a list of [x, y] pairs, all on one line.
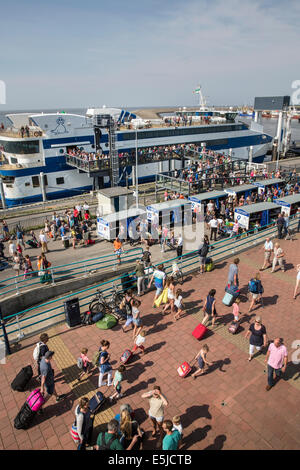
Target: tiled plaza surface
{"points": [[227, 408]]}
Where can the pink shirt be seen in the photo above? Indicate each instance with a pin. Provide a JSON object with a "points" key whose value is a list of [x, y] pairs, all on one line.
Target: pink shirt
{"points": [[276, 355], [85, 359]]}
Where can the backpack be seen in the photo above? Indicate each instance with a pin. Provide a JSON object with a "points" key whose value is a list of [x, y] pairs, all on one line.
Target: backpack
{"points": [[104, 445], [96, 357], [80, 363], [253, 286], [204, 250], [36, 352]]}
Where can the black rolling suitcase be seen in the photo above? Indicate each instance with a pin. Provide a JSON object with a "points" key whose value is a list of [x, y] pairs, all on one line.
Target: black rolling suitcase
{"points": [[21, 380], [25, 417], [96, 402]]}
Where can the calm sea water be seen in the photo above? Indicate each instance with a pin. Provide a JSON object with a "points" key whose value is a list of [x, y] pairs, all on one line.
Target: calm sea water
{"points": [[270, 125]]}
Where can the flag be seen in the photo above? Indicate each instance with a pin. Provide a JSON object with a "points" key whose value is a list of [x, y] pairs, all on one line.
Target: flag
{"points": [[198, 89]]}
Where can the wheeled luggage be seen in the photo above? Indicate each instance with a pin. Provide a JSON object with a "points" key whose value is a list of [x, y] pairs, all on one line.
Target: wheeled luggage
{"points": [[233, 327], [126, 356], [96, 402], [233, 290], [228, 299], [184, 369], [25, 417], [22, 379], [35, 400], [199, 331]]}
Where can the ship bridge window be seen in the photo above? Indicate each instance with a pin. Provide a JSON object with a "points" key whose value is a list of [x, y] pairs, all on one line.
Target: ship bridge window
{"points": [[8, 179], [180, 131], [20, 147], [60, 180], [35, 181], [13, 160]]}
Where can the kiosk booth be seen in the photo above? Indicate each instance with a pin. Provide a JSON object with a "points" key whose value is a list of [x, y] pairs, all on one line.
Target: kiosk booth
{"points": [[108, 226], [246, 189], [263, 212], [264, 184], [203, 198], [177, 212], [289, 204]]}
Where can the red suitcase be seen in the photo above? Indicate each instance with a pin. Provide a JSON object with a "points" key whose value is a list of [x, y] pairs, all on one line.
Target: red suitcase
{"points": [[126, 356], [184, 369], [199, 331]]}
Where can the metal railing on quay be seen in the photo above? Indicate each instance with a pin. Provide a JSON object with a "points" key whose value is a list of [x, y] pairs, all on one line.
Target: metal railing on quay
{"points": [[221, 249], [67, 271]]}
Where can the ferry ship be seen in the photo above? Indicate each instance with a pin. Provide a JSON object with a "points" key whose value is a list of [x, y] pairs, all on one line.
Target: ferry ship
{"points": [[47, 139]]}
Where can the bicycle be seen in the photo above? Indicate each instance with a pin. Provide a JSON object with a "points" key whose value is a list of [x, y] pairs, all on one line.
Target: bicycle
{"points": [[111, 306]]}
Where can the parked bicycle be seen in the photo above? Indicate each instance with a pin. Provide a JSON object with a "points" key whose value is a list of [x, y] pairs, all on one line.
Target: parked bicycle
{"points": [[107, 306]]}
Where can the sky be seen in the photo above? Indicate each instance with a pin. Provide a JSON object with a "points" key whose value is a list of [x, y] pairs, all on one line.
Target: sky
{"points": [[70, 53]]}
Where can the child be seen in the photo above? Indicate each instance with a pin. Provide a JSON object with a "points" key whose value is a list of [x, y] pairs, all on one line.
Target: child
{"points": [[201, 357], [236, 310], [137, 322], [177, 426], [86, 363], [138, 342], [178, 304], [19, 249], [27, 266], [117, 383]]}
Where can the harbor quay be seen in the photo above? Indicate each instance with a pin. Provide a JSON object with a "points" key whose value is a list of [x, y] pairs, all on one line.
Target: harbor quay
{"points": [[227, 407]]}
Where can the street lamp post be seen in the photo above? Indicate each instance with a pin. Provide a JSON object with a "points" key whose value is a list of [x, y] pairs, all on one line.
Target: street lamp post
{"points": [[136, 171]]}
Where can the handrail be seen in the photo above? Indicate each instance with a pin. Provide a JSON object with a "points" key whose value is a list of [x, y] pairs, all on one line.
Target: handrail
{"points": [[58, 272], [187, 260]]}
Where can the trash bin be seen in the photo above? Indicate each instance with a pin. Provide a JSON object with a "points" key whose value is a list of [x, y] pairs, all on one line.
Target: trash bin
{"points": [[72, 312]]}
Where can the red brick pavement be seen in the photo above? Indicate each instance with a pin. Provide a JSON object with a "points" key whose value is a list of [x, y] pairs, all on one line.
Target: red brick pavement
{"points": [[250, 418]]}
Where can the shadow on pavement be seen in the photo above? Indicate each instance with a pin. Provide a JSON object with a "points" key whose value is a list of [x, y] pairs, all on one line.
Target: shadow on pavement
{"points": [[196, 436], [218, 444], [193, 413], [139, 387]]}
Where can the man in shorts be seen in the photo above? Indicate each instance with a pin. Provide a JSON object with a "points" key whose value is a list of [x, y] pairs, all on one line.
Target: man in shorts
{"points": [[47, 378]]}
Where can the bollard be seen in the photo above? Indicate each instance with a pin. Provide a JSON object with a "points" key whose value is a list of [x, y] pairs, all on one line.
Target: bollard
{"points": [[52, 275], [7, 345], [85, 270], [17, 287], [21, 334]]}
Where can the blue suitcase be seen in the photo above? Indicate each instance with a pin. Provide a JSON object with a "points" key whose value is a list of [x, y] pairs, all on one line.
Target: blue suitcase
{"points": [[96, 402]]}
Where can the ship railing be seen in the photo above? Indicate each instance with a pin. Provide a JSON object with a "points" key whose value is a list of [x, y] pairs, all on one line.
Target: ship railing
{"points": [[126, 160], [34, 319], [24, 282], [88, 165], [16, 133]]}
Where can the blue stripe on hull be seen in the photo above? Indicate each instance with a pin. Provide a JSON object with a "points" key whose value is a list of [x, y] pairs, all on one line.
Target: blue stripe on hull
{"points": [[50, 196]]}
